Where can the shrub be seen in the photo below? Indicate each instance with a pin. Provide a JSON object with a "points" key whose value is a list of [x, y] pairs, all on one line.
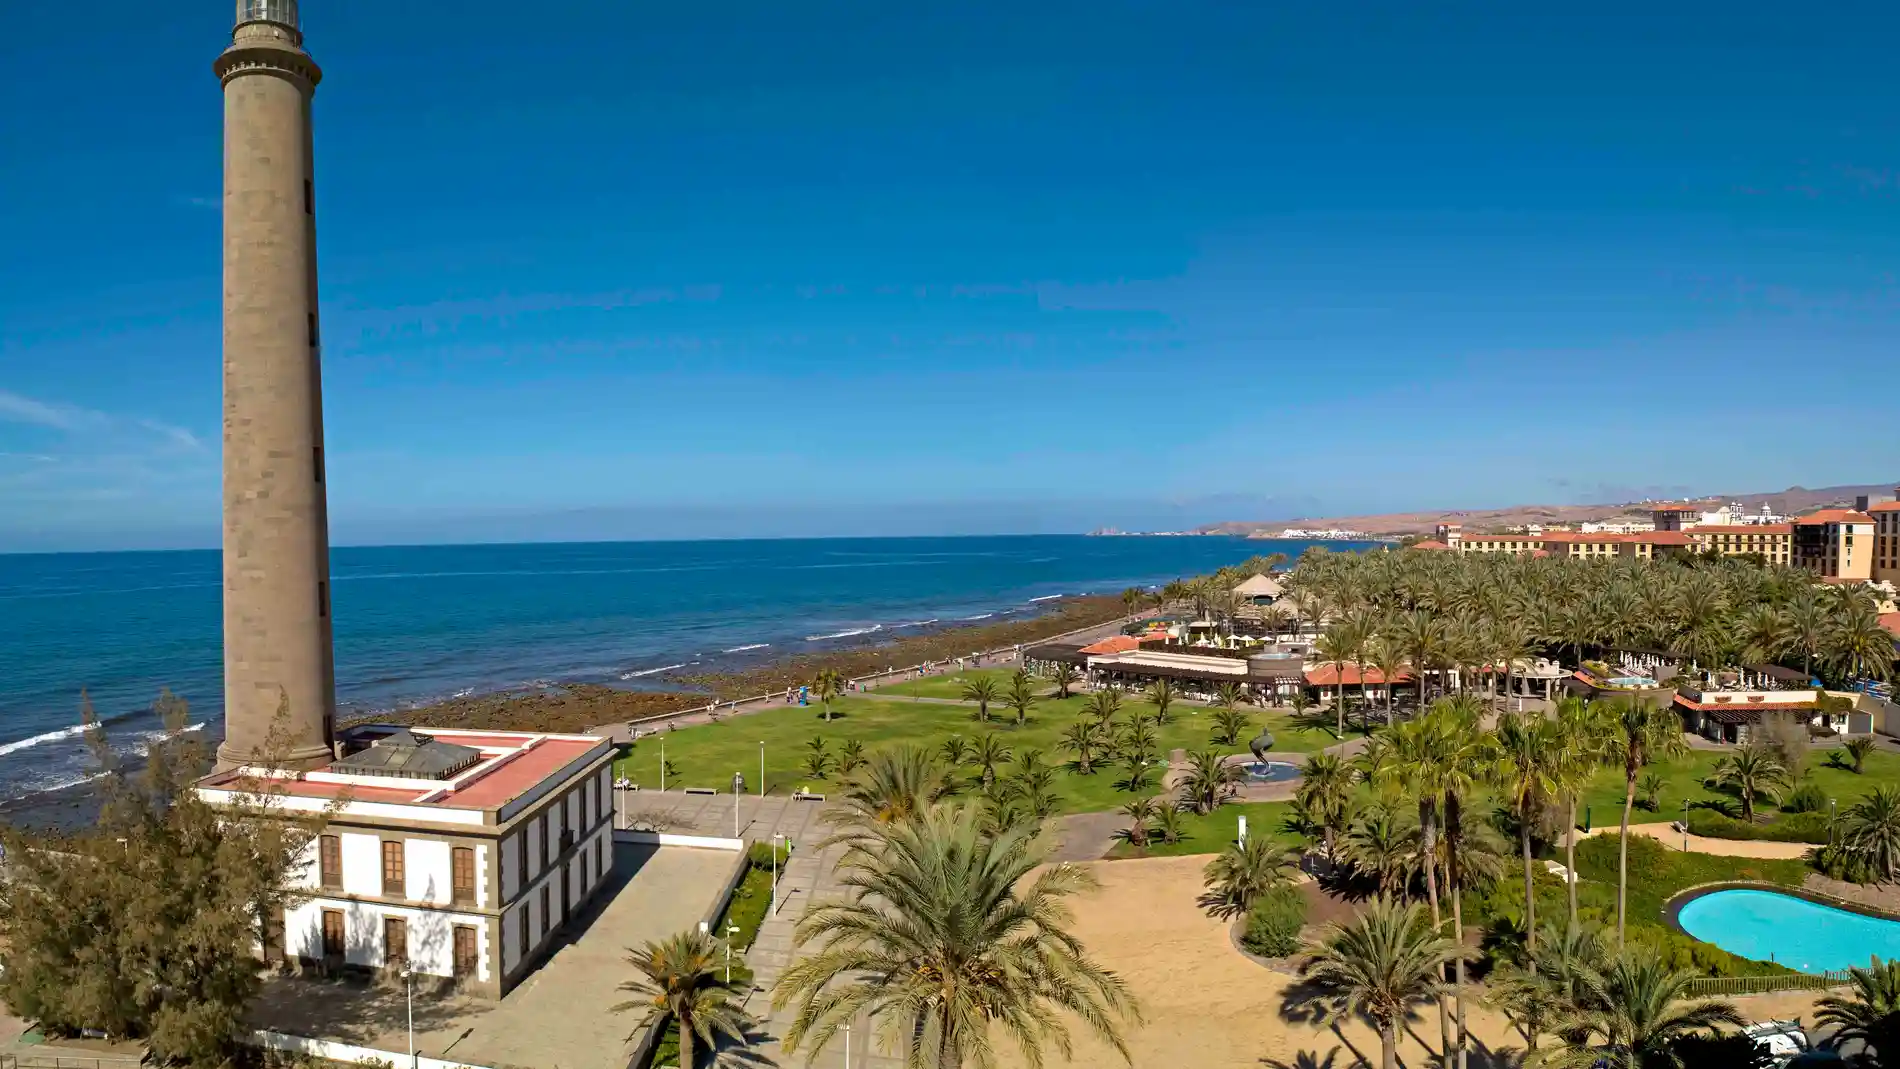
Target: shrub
{"points": [[1838, 864], [1807, 798], [1794, 828], [1274, 923]]}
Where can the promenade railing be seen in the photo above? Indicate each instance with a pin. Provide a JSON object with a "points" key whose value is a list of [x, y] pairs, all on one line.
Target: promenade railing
{"points": [[1721, 986]]}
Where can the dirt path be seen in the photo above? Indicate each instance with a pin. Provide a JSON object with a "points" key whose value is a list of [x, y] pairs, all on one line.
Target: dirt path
{"points": [[1667, 835]]}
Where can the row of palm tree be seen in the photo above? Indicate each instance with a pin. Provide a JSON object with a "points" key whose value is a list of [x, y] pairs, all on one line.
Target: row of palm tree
{"points": [[1433, 612]]}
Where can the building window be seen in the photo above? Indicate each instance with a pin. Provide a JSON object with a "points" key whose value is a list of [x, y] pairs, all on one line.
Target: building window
{"points": [[392, 868], [587, 862], [547, 911], [332, 933], [316, 462], [309, 197], [323, 600], [395, 942], [330, 862], [600, 851], [462, 874], [464, 951], [527, 938], [311, 328]]}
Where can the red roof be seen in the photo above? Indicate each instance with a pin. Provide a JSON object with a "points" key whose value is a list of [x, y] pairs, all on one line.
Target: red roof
{"points": [[1676, 508], [1113, 644], [1834, 516], [1884, 506], [1327, 675], [1433, 543]]}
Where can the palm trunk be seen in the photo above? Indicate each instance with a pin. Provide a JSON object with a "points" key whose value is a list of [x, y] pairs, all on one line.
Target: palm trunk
{"points": [[1454, 879], [1428, 841], [1570, 859], [1530, 899], [1341, 699], [1623, 850], [1388, 1046], [686, 1043], [1388, 701]]}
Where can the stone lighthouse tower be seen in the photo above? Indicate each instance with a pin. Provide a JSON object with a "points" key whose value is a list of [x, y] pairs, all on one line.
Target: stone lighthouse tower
{"points": [[277, 646]]}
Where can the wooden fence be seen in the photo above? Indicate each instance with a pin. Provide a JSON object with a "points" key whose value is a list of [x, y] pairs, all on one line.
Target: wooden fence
{"points": [[1717, 986]]}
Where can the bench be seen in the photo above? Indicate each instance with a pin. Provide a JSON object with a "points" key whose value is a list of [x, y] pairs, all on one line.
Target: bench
{"points": [[702, 790]]}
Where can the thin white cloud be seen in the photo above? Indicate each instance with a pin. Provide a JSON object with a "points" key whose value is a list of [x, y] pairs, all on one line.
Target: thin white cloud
{"points": [[176, 434], [19, 408]]}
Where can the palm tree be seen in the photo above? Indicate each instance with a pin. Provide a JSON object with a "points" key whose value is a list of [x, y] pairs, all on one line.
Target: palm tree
{"points": [[1228, 694], [679, 976], [1103, 705], [955, 751], [1084, 738], [945, 932], [1021, 696], [1379, 966], [1230, 724], [982, 690], [1807, 621], [1326, 789], [1139, 812], [1643, 733], [1869, 1012], [1241, 873], [850, 756], [990, 751], [1209, 781], [1168, 824], [1634, 1009], [1161, 694], [1464, 755], [1335, 648], [1064, 677], [826, 686], [817, 761], [1859, 647], [1388, 658], [1526, 747], [1383, 843], [895, 784], [1558, 970], [1870, 828], [1133, 599], [1754, 771], [1857, 749], [1582, 737], [1422, 636], [1763, 634]]}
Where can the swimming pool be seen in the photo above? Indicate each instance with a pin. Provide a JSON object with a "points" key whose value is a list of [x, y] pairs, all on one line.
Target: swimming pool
{"points": [[1802, 935]]}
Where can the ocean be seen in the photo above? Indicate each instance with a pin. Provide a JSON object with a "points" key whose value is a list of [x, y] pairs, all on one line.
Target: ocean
{"points": [[417, 624]]}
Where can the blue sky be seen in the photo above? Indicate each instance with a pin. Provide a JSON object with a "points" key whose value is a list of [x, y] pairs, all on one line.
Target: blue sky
{"points": [[645, 270]]}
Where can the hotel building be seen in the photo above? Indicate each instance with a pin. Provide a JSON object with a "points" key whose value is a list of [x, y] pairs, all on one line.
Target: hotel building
{"points": [[1835, 543], [1642, 546], [1886, 516], [1773, 542], [461, 853]]}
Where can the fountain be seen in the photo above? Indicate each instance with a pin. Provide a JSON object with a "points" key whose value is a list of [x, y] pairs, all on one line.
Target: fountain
{"points": [[1261, 770]]}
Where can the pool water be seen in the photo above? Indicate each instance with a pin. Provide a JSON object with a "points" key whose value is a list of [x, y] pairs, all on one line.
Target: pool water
{"points": [[1802, 935], [1633, 681]]}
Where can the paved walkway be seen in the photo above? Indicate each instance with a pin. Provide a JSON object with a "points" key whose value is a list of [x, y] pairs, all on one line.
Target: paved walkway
{"points": [[1667, 835]]}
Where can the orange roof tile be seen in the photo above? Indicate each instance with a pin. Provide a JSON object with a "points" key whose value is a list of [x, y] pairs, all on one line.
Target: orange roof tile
{"points": [[1112, 644], [1327, 675], [1884, 506], [1833, 516], [1430, 543]]}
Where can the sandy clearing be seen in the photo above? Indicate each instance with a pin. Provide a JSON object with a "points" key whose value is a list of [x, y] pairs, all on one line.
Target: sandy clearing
{"points": [[1667, 835]]}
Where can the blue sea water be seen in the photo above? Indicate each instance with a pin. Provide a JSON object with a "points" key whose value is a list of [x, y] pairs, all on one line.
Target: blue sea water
{"points": [[416, 624], [1802, 935]]}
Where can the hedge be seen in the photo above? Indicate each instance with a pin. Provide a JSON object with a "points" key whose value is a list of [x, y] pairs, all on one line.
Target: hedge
{"points": [[1274, 923], [1791, 828]]}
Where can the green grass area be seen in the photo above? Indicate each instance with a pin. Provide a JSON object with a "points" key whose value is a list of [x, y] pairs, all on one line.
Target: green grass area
{"points": [[707, 755], [949, 686], [1683, 781], [1213, 833]]}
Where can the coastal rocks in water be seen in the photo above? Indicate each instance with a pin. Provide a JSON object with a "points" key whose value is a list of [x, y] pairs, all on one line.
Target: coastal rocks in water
{"points": [[1261, 745]]}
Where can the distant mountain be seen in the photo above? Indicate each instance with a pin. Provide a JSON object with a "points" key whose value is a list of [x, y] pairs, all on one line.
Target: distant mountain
{"points": [[1793, 501]]}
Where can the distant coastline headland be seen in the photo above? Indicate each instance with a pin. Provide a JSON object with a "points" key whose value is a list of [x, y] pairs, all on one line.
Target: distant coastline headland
{"points": [[567, 707]]}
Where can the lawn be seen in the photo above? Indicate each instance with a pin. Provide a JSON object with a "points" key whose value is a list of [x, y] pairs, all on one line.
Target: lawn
{"points": [[951, 686], [708, 755], [1214, 832], [1683, 781]]}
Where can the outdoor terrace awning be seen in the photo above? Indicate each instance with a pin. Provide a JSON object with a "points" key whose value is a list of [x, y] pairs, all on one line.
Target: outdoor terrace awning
{"points": [[1059, 652]]}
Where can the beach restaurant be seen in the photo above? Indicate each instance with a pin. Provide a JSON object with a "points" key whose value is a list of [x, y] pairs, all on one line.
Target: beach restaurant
{"points": [[1128, 662]]}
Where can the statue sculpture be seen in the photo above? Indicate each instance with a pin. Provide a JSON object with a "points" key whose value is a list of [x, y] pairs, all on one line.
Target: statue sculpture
{"points": [[1261, 745]]}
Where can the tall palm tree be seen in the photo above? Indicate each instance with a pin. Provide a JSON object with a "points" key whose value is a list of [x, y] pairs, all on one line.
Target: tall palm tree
{"points": [[827, 686], [1808, 619], [1464, 753], [1228, 694], [1415, 762], [1380, 966], [1140, 812], [1643, 733], [1859, 647], [1869, 1011], [1762, 633], [1422, 636], [1388, 657], [1064, 677], [1582, 745], [1021, 695], [1633, 1010], [1230, 724], [1754, 771], [894, 784], [1240, 874], [982, 690], [1526, 747], [1335, 649], [1161, 694], [990, 751], [679, 976], [1559, 968], [1870, 828], [1326, 789], [1103, 705], [945, 932]]}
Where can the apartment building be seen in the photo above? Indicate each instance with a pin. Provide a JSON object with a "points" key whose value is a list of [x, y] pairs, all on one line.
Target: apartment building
{"points": [[1643, 545], [1886, 516], [1773, 542], [1835, 544], [459, 853]]}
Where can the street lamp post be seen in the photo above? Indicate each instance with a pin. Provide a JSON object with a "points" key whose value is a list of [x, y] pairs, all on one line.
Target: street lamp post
{"points": [[409, 990], [776, 839], [731, 930], [738, 788], [761, 770], [847, 1047], [662, 764]]}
